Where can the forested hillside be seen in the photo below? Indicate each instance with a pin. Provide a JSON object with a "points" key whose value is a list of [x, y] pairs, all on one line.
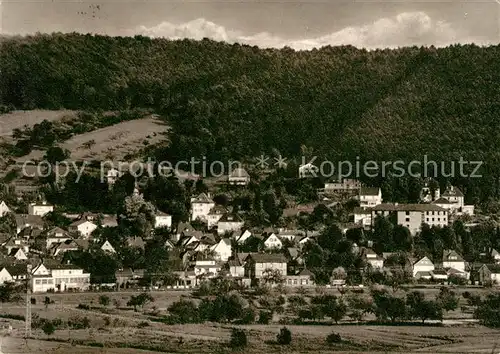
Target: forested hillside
{"points": [[233, 101]]}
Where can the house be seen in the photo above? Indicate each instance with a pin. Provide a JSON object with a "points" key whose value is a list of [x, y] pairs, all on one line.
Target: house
{"points": [[59, 248], [257, 263], [289, 235], [181, 229], [303, 278], [15, 243], [351, 186], [58, 277], [18, 254], [201, 206], [454, 195], [428, 195], [40, 209], [451, 259], [13, 273], [206, 268], [308, 170], [239, 177], [362, 216], [423, 268], [223, 249], [56, 235], [109, 221], [229, 222], [163, 220], [4, 209], [243, 237], [135, 242], [496, 256], [25, 220], [273, 241], [489, 273], [107, 247], [412, 216], [127, 276], [214, 215], [369, 197], [83, 227], [236, 268], [370, 257]]}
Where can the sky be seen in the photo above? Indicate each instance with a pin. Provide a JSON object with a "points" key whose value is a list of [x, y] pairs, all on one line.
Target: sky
{"points": [[302, 25]]}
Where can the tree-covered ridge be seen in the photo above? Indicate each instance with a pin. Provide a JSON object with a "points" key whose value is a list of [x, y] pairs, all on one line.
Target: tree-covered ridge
{"points": [[237, 101]]}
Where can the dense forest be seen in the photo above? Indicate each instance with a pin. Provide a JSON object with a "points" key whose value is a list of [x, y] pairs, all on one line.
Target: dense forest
{"points": [[228, 101]]}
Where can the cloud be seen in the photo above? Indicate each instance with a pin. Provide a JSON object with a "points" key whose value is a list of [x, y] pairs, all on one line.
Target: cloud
{"points": [[408, 28]]}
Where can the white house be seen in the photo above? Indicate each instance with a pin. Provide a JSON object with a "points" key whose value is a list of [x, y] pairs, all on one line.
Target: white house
{"points": [[346, 185], [4, 209], [206, 268], [215, 215], [451, 259], [40, 209], [239, 177], [107, 247], [369, 197], [308, 170], [273, 241], [163, 220], [83, 227], [236, 268], [13, 273], [222, 249], [201, 206], [58, 277], [229, 223], [423, 268]]}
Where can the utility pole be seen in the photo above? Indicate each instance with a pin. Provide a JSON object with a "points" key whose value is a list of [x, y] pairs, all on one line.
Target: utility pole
{"points": [[28, 303]]}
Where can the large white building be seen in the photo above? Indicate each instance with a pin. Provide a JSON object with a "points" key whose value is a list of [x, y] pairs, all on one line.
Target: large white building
{"points": [[201, 206], [413, 216], [58, 277], [453, 200]]}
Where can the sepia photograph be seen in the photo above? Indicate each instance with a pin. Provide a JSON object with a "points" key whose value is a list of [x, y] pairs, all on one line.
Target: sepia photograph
{"points": [[250, 176]]}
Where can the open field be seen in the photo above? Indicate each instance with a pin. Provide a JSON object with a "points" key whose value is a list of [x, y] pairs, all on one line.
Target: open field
{"points": [[116, 327], [111, 143], [18, 119]]}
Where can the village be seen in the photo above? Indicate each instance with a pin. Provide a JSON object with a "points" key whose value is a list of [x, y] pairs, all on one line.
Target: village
{"points": [[221, 246]]}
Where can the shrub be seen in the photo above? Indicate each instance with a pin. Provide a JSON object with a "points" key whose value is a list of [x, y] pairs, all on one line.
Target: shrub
{"points": [[104, 300], [248, 316], [333, 338], [265, 317], [48, 328], [284, 337], [83, 307], [238, 338]]}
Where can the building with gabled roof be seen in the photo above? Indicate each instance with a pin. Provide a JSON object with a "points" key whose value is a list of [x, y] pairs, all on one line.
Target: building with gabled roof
{"points": [[83, 228], [229, 222], [223, 249], [451, 259], [257, 263], [201, 206], [239, 177], [4, 209], [369, 197], [423, 268], [303, 278], [25, 220], [273, 241], [50, 275]]}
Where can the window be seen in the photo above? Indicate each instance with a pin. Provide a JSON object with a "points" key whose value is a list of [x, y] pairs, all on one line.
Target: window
{"points": [[407, 219], [407, 213], [38, 282], [432, 219]]}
